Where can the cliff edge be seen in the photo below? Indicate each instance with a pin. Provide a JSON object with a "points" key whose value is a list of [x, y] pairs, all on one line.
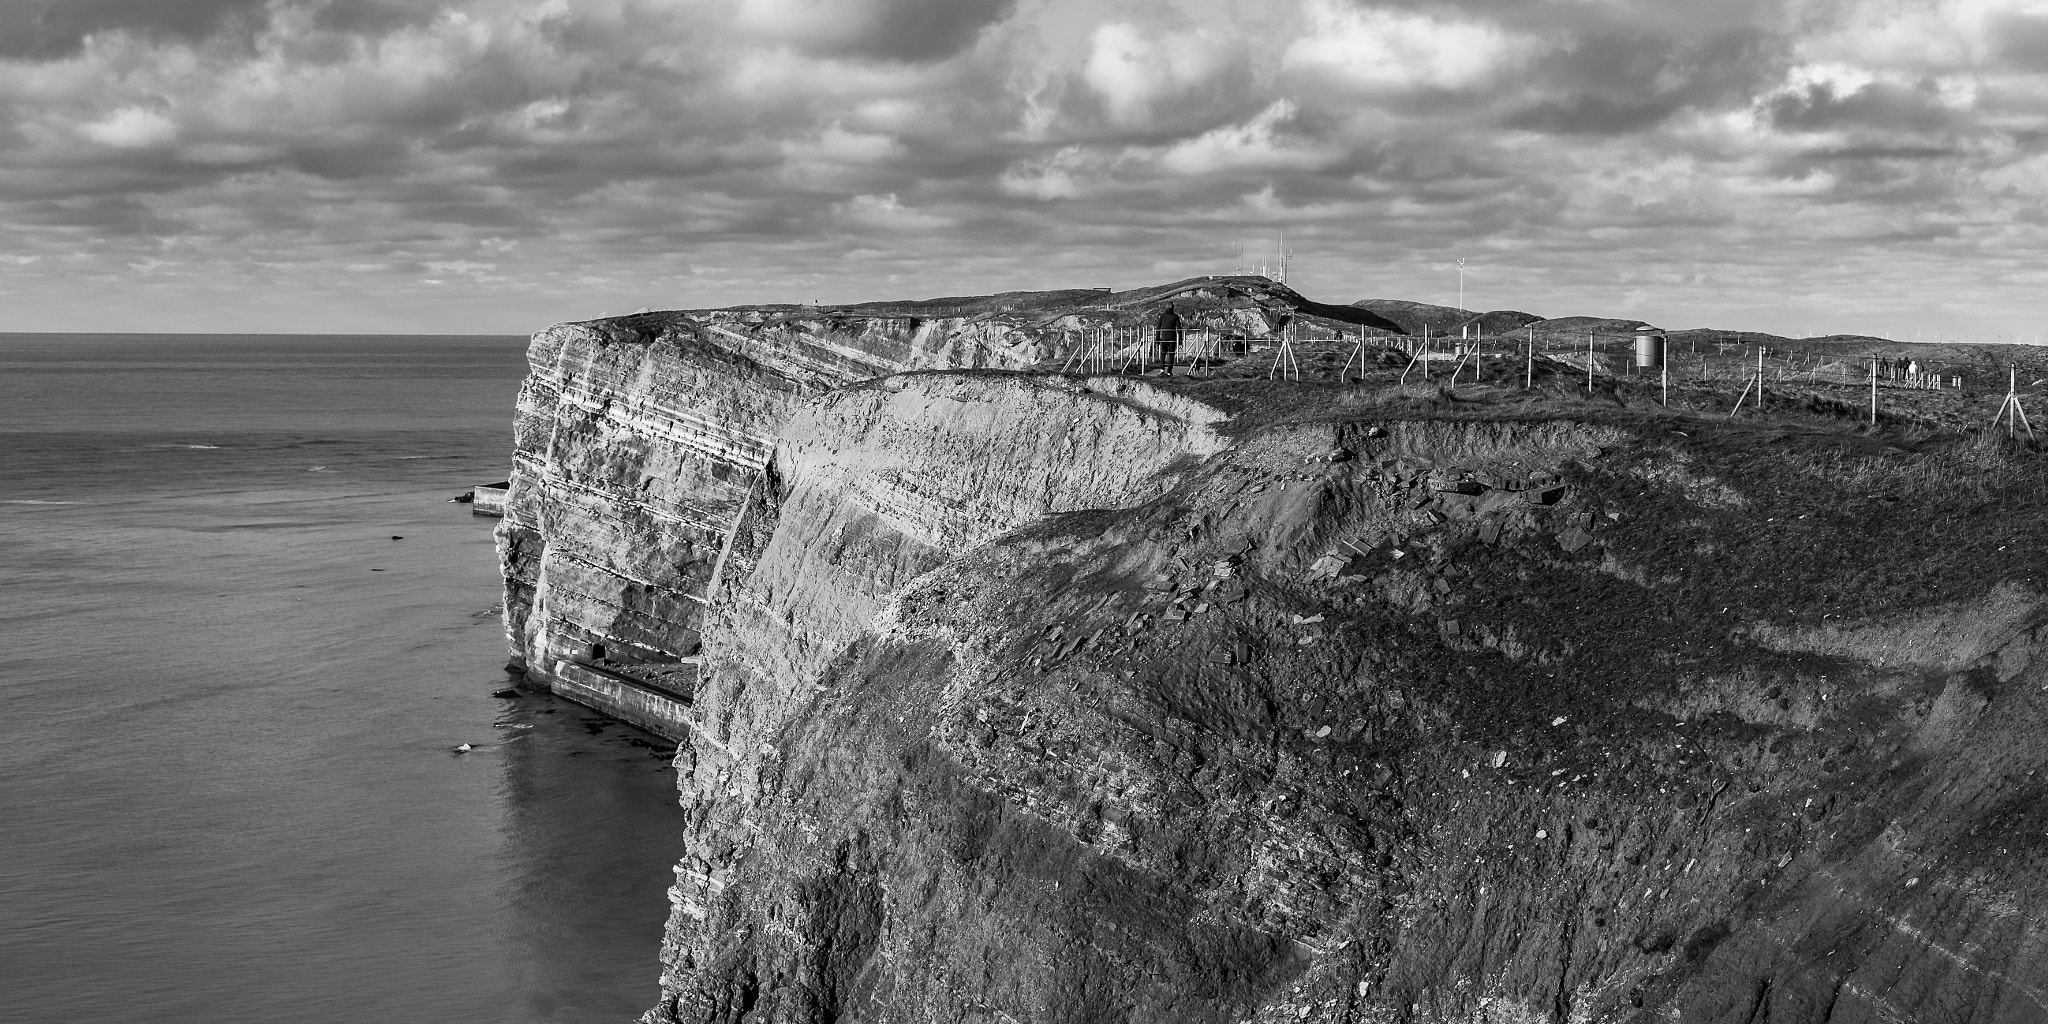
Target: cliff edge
{"points": [[1021, 696]]}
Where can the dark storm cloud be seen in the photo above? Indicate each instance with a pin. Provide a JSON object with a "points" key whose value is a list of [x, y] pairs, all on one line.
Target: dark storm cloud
{"points": [[2022, 40], [47, 29], [342, 162], [927, 30], [1887, 106], [1610, 83], [1855, 154], [54, 28], [910, 31], [365, 17]]}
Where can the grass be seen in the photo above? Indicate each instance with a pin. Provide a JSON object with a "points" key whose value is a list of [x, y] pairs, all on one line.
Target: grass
{"points": [[1983, 467]]}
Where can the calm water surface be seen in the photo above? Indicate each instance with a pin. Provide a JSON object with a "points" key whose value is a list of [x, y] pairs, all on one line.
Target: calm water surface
{"points": [[227, 789]]}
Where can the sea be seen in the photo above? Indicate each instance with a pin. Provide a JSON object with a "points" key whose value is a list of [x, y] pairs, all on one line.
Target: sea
{"points": [[242, 632]]}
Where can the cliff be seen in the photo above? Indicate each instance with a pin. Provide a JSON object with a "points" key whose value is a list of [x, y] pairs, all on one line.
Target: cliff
{"points": [[1032, 697], [638, 441]]}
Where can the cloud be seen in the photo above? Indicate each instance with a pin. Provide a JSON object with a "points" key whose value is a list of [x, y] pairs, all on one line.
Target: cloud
{"points": [[1063, 174], [1137, 69], [1379, 50], [529, 154], [1619, 82], [887, 213], [1885, 106], [915, 31], [53, 28], [131, 128], [479, 272], [2020, 39], [1268, 142], [838, 146]]}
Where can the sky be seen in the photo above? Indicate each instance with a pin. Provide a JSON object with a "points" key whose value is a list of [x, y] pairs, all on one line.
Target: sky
{"points": [[495, 166]]}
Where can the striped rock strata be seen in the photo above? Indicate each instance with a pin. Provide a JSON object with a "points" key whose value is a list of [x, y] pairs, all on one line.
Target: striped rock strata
{"points": [[639, 439], [637, 444], [1028, 697]]}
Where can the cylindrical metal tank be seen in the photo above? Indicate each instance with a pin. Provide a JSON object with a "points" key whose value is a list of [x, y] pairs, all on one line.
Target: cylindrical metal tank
{"points": [[1649, 349]]}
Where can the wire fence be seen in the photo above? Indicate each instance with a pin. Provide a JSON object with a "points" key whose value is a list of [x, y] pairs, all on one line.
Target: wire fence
{"points": [[1144, 349], [1498, 356], [1512, 360]]}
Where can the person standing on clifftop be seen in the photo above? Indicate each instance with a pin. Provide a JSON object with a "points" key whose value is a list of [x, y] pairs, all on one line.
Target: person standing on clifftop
{"points": [[1167, 336]]}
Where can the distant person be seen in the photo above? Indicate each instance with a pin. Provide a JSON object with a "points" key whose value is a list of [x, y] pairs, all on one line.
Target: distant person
{"points": [[1167, 336]]}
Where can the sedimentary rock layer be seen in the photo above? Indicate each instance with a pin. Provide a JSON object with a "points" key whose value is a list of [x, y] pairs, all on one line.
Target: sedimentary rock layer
{"points": [[639, 439], [1367, 721], [1029, 697], [638, 442]]}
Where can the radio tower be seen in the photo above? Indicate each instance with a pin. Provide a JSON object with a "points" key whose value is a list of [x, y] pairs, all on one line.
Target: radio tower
{"points": [[1286, 257]]}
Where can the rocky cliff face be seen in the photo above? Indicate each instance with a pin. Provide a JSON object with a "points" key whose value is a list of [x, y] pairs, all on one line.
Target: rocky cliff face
{"points": [[1037, 698], [639, 441]]}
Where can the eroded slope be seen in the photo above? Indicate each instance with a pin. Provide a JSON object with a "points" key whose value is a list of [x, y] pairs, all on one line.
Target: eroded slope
{"points": [[1029, 701]]}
